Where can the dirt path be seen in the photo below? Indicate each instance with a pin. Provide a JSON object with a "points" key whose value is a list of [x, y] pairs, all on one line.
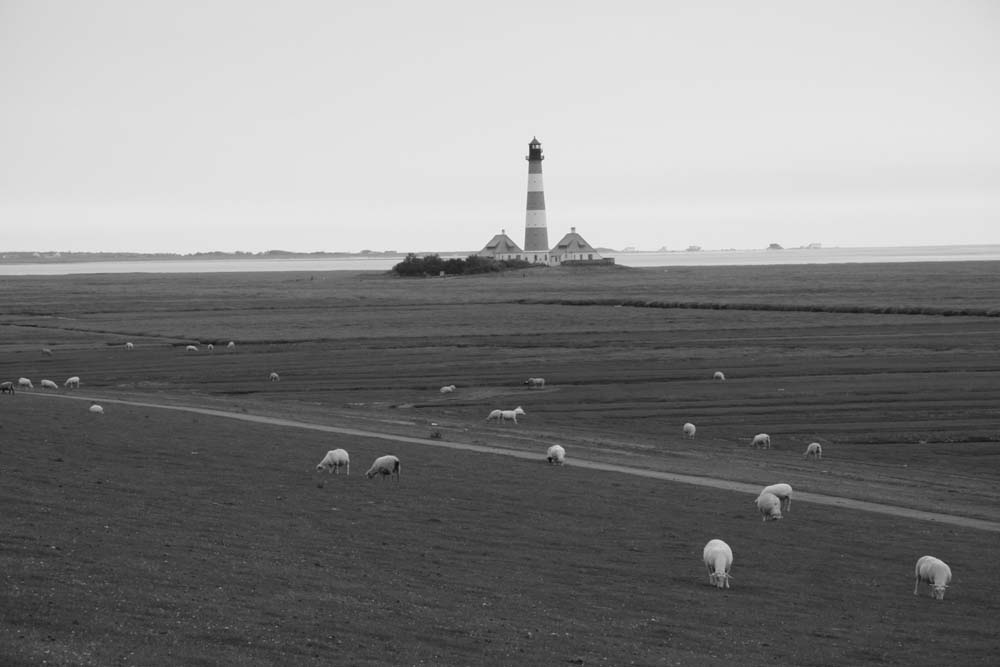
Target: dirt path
{"points": [[820, 499]]}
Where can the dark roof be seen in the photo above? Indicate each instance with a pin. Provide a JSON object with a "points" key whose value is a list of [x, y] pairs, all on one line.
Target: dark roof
{"points": [[501, 244]]}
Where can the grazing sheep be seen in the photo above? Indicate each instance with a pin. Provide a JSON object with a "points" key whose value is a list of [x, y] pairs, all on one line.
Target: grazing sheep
{"points": [[231, 345], [506, 415], [783, 492], [129, 346], [25, 383], [191, 348], [49, 384], [689, 430], [273, 377], [762, 440], [535, 382], [73, 382], [815, 450], [447, 389], [46, 352], [556, 455], [769, 506], [334, 460], [385, 466], [935, 572], [96, 409], [718, 558], [719, 375], [7, 388]]}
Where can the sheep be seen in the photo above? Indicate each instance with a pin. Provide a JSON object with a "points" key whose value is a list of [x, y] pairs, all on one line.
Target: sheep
{"points": [[129, 346], [96, 409], [211, 348], [25, 383], [334, 460], [273, 377], [46, 352], [447, 389], [935, 572], [556, 455], [769, 506], [535, 383], [718, 558], [783, 492], [73, 382], [7, 388], [719, 375], [506, 415], [49, 384], [231, 345], [387, 465], [761, 440], [815, 450], [689, 430], [191, 348]]}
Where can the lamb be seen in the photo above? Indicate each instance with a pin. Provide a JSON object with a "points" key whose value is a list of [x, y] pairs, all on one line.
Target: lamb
{"points": [[815, 450], [387, 465], [719, 375], [191, 348], [129, 346], [769, 506], [761, 440], [49, 384], [718, 558], [273, 377], [231, 345], [7, 388], [935, 572], [689, 430], [783, 492], [46, 352], [211, 348], [25, 383], [96, 409], [73, 382], [334, 460], [506, 415], [556, 455], [447, 389], [535, 382]]}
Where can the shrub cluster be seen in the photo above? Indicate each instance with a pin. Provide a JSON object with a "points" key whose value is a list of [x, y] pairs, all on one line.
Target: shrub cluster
{"points": [[433, 265]]}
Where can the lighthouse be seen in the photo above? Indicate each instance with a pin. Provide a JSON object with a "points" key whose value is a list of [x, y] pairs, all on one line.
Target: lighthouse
{"points": [[536, 235]]}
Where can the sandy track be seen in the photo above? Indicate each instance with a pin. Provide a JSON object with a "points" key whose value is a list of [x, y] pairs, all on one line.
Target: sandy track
{"points": [[820, 499]]}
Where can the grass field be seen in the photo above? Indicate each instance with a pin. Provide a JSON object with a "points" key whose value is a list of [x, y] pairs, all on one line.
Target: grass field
{"points": [[153, 536]]}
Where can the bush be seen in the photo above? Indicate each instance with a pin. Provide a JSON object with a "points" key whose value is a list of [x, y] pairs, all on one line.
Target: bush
{"points": [[433, 265]]}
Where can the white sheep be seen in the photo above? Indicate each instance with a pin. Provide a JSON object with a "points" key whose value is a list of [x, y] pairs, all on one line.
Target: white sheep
{"points": [[49, 384], [556, 455], [783, 492], [689, 430], [191, 348], [73, 382], [96, 409], [25, 383], [935, 572], [815, 450], [129, 346], [273, 377], [535, 383], [719, 375], [506, 415], [769, 506], [334, 460], [762, 440], [46, 352], [387, 465], [7, 388], [231, 345], [718, 558], [447, 389]]}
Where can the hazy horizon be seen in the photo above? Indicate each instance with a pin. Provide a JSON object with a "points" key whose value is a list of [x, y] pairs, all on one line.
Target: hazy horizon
{"points": [[310, 126]]}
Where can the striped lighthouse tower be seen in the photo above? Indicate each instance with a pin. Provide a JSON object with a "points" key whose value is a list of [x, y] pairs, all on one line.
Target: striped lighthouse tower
{"points": [[536, 235]]}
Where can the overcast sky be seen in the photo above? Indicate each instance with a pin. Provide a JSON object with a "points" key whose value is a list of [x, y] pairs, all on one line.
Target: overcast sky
{"points": [[206, 125]]}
